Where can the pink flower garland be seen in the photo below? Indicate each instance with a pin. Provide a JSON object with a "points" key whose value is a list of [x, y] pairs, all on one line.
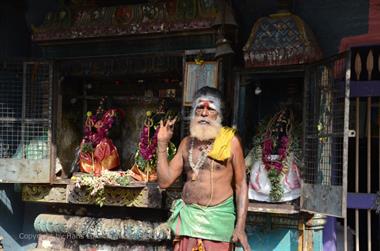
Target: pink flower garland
{"points": [[275, 167], [268, 151], [148, 146], [102, 126]]}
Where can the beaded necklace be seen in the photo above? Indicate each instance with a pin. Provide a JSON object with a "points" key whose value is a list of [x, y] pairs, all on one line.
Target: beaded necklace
{"points": [[201, 160]]}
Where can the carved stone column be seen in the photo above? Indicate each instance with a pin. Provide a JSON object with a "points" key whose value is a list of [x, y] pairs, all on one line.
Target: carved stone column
{"points": [[312, 228]]}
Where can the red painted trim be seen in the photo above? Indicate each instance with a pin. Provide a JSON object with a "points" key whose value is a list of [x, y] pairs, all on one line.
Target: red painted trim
{"points": [[373, 35], [367, 39], [374, 17]]}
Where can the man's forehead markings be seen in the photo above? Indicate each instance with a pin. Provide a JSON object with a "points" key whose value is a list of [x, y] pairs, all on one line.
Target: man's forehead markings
{"points": [[206, 100], [206, 104]]}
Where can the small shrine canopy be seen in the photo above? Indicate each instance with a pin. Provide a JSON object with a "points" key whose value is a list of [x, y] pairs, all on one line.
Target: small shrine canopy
{"points": [[280, 39], [156, 17]]}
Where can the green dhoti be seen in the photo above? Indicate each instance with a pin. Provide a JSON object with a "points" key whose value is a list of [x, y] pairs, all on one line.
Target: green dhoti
{"points": [[211, 223]]}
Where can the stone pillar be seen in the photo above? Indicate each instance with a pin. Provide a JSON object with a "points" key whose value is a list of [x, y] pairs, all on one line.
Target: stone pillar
{"points": [[313, 235]]}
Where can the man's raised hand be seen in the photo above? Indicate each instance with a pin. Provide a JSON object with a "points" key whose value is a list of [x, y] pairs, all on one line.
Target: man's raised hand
{"points": [[165, 132]]}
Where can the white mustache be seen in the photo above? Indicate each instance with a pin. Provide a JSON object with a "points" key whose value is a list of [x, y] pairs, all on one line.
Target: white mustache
{"points": [[204, 121]]}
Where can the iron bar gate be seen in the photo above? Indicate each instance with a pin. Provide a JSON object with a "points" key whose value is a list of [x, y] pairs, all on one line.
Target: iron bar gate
{"points": [[364, 150]]}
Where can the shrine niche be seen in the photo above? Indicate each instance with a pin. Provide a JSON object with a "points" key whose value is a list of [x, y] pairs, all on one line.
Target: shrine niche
{"points": [[118, 116], [275, 54]]}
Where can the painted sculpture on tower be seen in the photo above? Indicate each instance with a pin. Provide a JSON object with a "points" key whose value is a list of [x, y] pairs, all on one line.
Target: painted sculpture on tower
{"points": [[275, 160]]}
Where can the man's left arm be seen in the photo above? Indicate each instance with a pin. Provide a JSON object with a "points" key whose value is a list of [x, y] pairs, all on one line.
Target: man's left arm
{"points": [[241, 192]]}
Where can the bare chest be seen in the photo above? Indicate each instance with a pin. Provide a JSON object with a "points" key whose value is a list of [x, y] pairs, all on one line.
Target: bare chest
{"points": [[196, 160]]}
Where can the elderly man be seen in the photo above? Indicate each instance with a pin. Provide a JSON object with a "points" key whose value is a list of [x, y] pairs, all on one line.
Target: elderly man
{"points": [[212, 158]]}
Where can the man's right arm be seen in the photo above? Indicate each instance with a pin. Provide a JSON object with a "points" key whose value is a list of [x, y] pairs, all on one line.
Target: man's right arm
{"points": [[168, 172]]}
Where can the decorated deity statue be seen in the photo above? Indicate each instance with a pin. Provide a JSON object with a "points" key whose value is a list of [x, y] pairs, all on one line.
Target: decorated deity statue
{"points": [[274, 160], [146, 155], [97, 151]]}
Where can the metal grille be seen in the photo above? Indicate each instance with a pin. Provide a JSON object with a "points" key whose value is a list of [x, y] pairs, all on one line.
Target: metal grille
{"points": [[324, 123], [326, 111], [11, 79], [25, 110]]}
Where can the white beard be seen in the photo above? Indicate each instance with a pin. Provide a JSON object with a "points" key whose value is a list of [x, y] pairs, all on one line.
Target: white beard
{"points": [[205, 129]]}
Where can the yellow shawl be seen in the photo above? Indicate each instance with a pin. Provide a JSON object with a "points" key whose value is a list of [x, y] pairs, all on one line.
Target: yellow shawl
{"points": [[221, 149]]}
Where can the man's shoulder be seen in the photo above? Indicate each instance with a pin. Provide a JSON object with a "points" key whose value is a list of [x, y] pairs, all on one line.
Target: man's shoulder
{"points": [[184, 141], [236, 140]]}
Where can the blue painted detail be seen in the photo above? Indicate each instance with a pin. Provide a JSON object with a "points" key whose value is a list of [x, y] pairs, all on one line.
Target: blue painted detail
{"points": [[329, 235], [317, 240], [361, 200], [365, 88], [262, 239]]}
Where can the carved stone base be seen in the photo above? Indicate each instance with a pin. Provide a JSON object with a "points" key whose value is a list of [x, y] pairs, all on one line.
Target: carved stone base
{"points": [[122, 246], [47, 242], [51, 242], [147, 196], [44, 193], [79, 228]]}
